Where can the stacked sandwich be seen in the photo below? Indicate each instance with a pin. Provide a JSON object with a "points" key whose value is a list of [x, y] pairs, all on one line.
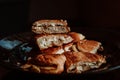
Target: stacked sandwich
{"points": [[62, 50]]}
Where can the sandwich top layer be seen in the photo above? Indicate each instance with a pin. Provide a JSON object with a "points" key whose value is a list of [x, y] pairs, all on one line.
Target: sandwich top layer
{"points": [[43, 23], [50, 26]]}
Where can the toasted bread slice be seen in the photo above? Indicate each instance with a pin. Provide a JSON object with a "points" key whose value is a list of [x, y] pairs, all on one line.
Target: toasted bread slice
{"points": [[53, 50], [90, 46], [77, 62], [51, 63], [58, 49], [46, 63], [50, 26], [47, 41]]}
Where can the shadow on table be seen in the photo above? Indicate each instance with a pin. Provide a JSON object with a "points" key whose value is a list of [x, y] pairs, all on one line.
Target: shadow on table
{"points": [[19, 75]]}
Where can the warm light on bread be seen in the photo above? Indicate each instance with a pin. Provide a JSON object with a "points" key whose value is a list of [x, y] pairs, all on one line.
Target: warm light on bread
{"points": [[60, 50], [50, 26]]}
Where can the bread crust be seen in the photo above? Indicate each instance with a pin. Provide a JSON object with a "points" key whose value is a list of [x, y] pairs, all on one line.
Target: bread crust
{"points": [[47, 22], [58, 49], [54, 62], [90, 46], [76, 60], [50, 26], [53, 50]]}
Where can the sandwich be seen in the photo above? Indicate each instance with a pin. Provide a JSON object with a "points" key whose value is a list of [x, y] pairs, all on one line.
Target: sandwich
{"points": [[47, 41], [61, 50], [90, 46], [50, 26], [50, 63], [78, 62]]}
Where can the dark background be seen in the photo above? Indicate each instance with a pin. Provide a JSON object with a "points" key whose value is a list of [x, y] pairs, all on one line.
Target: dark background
{"points": [[18, 15], [13, 16], [93, 13]]}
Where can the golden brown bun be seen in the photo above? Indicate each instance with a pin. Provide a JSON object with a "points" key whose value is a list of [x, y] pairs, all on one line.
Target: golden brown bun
{"points": [[90, 46], [76, 36], [77, 62], [51, 63], [50, 26], [47, 41]]}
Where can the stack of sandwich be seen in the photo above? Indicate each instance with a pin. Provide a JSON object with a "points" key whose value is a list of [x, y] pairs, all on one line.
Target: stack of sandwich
{"points": [[62, 50]]}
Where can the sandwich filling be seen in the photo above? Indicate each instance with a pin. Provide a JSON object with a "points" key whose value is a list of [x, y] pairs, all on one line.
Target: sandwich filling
{"points": [[47, 41]]}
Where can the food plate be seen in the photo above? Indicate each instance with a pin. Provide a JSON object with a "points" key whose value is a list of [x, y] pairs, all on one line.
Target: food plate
{"points": [[15, 49]]}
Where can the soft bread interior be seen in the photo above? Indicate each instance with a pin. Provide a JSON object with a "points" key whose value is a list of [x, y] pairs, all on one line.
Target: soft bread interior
{"points": [[47, 41]]}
